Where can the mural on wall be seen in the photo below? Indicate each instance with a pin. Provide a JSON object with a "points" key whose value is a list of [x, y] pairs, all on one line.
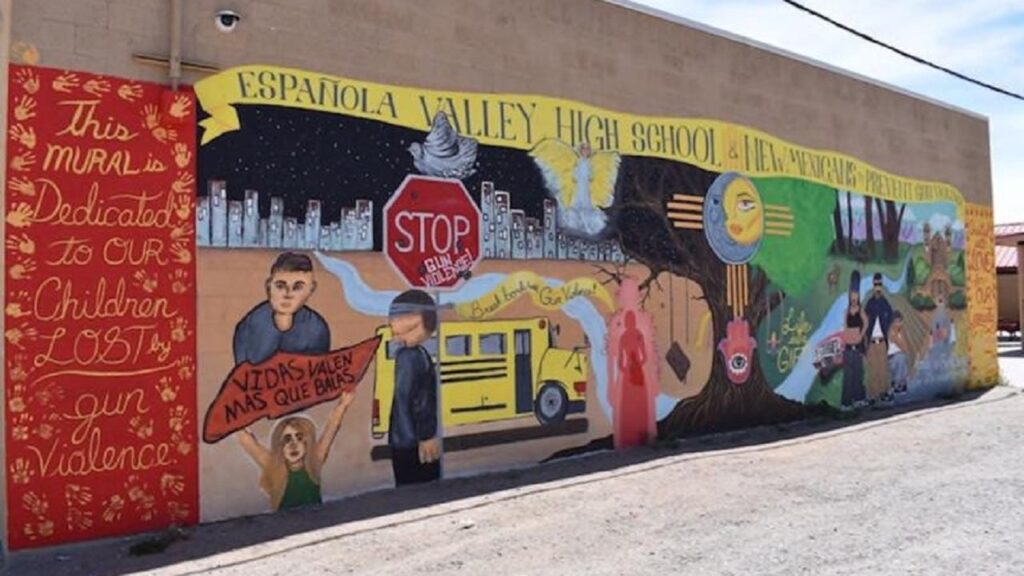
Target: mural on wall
{"points": [[798, 280], [284, 365], [581, 182], [504, 378], [505, 361], [444, 153], [632, 368], [100, 308], [882, 349], [412, 423]]}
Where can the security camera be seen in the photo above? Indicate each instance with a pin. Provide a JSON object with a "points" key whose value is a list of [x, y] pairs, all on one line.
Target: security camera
{"points": [[227, 20]]}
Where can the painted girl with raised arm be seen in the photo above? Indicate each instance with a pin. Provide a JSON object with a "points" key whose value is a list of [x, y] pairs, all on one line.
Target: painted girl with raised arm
{"points": [[291, 466]]}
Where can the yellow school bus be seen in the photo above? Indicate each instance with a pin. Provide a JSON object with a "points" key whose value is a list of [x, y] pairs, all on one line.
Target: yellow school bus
{"points": [[491, 370]]}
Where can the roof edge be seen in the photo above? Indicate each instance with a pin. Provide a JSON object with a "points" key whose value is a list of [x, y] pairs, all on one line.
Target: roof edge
{"points": [[676, 19]]}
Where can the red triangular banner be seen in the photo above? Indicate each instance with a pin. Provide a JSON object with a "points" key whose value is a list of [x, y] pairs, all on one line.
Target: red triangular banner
{"points": [[284, 384]]}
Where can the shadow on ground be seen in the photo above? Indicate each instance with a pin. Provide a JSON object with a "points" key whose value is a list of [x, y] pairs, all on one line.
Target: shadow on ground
{"points": [[112, 557], [1013, 351]]}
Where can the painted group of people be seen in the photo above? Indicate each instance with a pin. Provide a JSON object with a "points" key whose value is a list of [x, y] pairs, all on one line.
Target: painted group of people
{"points": [[876, 355], [291, 465]]}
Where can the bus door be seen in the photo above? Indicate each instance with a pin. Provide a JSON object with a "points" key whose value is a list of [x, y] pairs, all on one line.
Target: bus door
{"points": [[524, 372]]}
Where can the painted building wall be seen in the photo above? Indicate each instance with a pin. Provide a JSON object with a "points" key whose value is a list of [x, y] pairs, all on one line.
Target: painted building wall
{"points": [[679, 233]]}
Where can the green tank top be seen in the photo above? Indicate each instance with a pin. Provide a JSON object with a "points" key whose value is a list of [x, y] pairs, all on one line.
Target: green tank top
{"points": [[300, 490]]}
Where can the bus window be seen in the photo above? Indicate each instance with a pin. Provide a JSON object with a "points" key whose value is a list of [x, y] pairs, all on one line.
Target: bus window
{"points": [[492, 343], [456, 345]]}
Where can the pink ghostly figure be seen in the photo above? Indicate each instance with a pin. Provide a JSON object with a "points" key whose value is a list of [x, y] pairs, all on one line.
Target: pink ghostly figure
{"points": [[632, 369]]}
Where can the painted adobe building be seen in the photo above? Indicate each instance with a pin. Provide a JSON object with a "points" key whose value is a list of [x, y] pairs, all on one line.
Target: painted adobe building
{"points": [[680, 232]]}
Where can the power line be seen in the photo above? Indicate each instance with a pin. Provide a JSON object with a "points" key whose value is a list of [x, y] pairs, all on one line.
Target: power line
{"points": [[903, 53]]}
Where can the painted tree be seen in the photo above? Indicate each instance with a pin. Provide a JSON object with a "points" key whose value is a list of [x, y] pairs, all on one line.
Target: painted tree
{"points": [[837, 224], [891, 221], [869, 225], [795, 263], [849, 221], [647, 236]]}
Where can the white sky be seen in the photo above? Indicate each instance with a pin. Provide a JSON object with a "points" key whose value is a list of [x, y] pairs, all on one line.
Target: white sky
{"points": [[979, 38]]}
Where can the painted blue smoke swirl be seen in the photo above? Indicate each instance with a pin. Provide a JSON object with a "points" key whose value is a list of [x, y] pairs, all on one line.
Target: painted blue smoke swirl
{"points": [[359, 296]]}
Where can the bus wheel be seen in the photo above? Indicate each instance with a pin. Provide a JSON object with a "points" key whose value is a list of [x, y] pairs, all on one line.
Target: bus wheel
{"points": [[551, 404]]}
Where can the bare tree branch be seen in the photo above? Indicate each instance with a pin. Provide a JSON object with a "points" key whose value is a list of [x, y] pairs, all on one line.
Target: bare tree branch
{"points": [[615, 275]]}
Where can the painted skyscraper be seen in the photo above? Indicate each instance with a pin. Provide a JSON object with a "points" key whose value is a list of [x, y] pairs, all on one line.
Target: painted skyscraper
{"points": [[237, 223]]}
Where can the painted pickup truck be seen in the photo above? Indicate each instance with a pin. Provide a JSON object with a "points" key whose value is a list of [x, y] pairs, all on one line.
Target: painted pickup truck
{"points": [[828, 355]]}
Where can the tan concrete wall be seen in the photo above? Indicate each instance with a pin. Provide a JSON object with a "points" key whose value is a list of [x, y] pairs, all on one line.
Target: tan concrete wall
{"points": [[583, 50]]}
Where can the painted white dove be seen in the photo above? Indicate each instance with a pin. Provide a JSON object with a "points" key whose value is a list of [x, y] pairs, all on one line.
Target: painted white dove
{"points": [[444, 153]]}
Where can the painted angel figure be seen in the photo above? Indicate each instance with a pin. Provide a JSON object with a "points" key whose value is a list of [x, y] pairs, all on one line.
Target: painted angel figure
{"points": [[582, 183]]}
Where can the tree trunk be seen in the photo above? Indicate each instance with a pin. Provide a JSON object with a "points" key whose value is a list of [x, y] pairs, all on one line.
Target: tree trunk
{"points": [[892, 222], [849, 221], [644, 187], [892, 248], [869, 224], [883, 220], [837, 222], [722, 405]]}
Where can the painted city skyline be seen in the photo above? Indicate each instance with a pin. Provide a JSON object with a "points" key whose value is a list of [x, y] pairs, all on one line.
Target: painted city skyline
{"points": [[509, 234]]}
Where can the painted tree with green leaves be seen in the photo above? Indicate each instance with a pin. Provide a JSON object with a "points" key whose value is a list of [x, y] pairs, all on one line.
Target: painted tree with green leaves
{"points": [[784, 264], [795, 263]]}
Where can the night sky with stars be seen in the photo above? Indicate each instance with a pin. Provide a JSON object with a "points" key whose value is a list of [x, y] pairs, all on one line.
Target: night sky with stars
{"points": [[301, 155]]}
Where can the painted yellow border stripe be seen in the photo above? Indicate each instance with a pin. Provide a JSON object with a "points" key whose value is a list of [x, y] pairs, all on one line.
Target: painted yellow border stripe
{"points": [[688, 198], [685, 216], [688, 225], [684, 206], [746, 286]]}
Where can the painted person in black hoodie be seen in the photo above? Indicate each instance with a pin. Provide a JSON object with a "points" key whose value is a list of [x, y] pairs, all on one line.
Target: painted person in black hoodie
{"points": [[413, 433]]}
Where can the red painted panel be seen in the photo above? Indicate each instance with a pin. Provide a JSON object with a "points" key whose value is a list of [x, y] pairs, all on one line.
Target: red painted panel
{"points": [[100, 387]]}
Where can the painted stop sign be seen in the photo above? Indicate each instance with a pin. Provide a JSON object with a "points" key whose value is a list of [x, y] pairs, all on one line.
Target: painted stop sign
{"points": [[432, 233]]}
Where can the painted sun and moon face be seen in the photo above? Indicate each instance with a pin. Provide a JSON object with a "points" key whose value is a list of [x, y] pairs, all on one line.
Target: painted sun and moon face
{"points": [[734, 224], [734, 218]]}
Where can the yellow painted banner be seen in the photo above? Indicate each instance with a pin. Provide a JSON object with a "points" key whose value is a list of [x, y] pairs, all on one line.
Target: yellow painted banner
{"points": [[519, 284], [981, 296], [522, 121]]}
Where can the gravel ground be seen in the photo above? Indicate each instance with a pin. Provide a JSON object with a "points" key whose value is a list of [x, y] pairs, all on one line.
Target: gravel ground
{"points": [[935, 491]]}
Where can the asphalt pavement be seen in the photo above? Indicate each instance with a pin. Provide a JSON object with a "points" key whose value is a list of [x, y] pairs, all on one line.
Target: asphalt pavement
{"points": [[936, 490]]}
